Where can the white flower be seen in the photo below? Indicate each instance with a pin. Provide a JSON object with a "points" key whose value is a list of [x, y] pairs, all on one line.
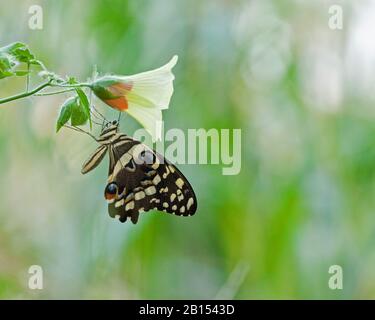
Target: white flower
{"points": [[142, 95]]}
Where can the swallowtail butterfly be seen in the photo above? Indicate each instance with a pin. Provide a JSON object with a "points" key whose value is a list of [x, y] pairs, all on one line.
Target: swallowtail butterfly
{"points": [[139, 178]]}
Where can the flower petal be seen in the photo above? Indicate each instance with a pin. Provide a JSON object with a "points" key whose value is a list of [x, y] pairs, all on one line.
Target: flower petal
{"points": [[142, 95], [152, 88], [149, 118], [150, 93]]}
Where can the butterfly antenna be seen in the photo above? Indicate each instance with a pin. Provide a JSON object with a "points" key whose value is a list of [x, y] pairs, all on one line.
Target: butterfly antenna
{"points": [[100, 123], [97, 123], [95, 115], [80, 130], [98, 113]]}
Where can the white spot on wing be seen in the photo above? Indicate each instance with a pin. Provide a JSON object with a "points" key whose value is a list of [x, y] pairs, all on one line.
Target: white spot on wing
{"points": [[119, 203], [165, 175], [150, 190], [156, 180], [189, 203], [129, 206], [179, 183], [139, 195], [146, 183]]}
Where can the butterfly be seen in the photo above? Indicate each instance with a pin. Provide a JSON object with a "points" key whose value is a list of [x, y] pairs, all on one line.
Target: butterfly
{"points": [[139, 178]]}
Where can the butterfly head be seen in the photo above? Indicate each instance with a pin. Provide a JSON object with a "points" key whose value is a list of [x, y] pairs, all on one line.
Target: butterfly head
{"points": [[109, 129], [110, 125]]}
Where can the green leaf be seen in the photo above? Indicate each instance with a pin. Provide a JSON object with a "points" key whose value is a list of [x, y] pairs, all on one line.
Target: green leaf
{"points": [[12, 47], [37, 63], [84, 101], [73, 109], [19, 51], [4, 74], [12, 55], [71, 80], [21, 73], [79, 116], [82, 113], [23, 55], [6, 65], [65, 112]]}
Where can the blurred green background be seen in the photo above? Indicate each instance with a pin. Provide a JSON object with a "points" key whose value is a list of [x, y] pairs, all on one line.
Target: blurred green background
{"points": [[302, 94]]}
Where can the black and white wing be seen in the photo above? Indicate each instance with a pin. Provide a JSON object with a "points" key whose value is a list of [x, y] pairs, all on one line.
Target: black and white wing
{"points": [[141, 180]]}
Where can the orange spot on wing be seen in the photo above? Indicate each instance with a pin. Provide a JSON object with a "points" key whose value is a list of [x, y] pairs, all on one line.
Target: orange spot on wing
{"points": [[109, 196]]}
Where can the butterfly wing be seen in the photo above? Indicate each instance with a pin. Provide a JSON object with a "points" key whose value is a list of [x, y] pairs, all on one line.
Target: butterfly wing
{"points": [[147, 181], [94, 160]]}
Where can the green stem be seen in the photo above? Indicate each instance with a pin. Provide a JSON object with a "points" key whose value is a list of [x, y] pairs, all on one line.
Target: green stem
{"points": [[25, 94], [54, 92], [78, 85], [44, 85], [28, 77]]}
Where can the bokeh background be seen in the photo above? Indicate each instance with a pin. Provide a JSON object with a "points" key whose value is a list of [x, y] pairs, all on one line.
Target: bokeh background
{"points": [[303, 95]]}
